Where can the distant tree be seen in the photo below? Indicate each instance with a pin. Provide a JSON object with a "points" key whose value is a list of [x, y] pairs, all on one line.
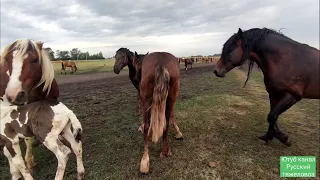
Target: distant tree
{"points": [[74, 53], [63, 55]]}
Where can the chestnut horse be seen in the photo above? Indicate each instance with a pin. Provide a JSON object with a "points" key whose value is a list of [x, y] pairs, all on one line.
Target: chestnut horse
{"points": [[71, 64], [27, 75], [159, 89], [290, 69], [124, 57]]}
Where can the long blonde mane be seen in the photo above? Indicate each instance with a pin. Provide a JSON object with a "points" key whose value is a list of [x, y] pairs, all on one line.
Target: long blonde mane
{"points": [[20, 46]]}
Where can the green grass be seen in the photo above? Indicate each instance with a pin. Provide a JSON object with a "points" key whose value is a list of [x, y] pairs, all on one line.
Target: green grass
{"points": [[87, 66], [220, 120]]}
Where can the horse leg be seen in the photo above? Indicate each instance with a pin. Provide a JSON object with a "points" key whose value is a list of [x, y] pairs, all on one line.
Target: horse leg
{"points": [[14, 171], [278, 106], [18, 161], [179, 135], [145, 164], [77, 149], [166, 150], [29, 156], [61, 152]]}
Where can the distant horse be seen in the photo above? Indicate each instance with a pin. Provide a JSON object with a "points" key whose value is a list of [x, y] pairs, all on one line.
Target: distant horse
{"points": [[71, 64], [187, 62], [124, 57], [159, 89], [45, 120], [290, 69], [27, 75]]}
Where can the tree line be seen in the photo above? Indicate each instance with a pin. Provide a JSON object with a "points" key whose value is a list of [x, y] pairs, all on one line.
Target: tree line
{"points": [[74, 54]]}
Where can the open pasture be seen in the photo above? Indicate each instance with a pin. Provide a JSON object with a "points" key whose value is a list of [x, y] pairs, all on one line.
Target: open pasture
{"points": [[87, 66], [220, 121]]}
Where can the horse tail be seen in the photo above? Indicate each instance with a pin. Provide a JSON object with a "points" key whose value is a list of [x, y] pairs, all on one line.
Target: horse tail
{"points": [[76, 126], [158, 106]]}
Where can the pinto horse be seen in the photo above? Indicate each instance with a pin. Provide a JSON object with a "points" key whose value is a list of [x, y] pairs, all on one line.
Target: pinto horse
{"points": [[71, 64], [45, 120], [124, 57], [159, 89], [27, 75], [290, 69]]}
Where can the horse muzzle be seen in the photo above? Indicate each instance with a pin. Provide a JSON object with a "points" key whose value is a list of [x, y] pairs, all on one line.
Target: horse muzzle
{"points": [[19, 99], [219, 73]]}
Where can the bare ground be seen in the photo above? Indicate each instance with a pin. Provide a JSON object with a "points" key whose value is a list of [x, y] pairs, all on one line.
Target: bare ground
{"points": [[220, 120]]}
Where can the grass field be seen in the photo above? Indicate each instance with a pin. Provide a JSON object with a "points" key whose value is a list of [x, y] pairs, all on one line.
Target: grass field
{"points": [[220, 120], [87, 66], [90, 66]]}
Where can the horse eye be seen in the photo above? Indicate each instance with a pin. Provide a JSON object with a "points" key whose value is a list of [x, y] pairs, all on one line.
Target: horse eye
{"points": [[35, 61]]}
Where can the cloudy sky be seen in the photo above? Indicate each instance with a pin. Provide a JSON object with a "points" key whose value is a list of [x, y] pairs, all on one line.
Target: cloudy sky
{"points": [[182, 27]]}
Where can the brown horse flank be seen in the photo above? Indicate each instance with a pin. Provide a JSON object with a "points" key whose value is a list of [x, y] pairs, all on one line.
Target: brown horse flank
{"points": [[45, 120], [290, 69], [124, 57], [71, 64], [159, 89], [188, 61], [27, 76]]}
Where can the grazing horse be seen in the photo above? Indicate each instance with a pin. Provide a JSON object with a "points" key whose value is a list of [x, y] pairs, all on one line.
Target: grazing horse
{"points": [[187, 62], [27, 75], [124, 57], [71, 64], [45, 120], [290, 69], [159, 89]]}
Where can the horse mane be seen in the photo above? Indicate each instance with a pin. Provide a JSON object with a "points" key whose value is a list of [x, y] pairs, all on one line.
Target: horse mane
{"points": [[251, 39], [22, 46], [125, 50]]}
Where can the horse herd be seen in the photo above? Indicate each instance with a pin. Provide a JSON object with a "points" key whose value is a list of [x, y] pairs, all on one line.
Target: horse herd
{"points": [[30, 107]]}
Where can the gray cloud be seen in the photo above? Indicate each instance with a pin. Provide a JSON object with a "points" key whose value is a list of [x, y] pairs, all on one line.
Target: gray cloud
{"points": [[123, 22]]}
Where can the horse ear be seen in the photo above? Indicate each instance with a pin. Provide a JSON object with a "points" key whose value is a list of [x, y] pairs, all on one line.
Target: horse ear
{"points": [[147, 53], [135, 53], [239, 34], [39, 44]]}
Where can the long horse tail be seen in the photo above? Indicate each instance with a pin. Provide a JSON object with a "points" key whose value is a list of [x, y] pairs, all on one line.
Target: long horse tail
{"points": [[76, 126], [158, 106]]}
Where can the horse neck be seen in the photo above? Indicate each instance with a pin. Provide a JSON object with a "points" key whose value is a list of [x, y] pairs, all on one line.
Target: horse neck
{"points": [[132, 70], [36, 94]]}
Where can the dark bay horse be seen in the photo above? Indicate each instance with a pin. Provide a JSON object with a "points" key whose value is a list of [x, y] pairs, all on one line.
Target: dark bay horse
{"points": [[124, 57], [159, 89], [27, 75], [290, 69], [71, 64], [188, 61]]}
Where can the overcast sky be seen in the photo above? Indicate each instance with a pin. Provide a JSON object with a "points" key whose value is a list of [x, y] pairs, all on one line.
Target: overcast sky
{"points": [[184, 27]]}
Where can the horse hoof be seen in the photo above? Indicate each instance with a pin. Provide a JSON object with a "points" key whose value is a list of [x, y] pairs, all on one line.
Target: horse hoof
{"points": [[80, 176], [179, 137], [287, 141], [144, 166], [165, 154]]}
